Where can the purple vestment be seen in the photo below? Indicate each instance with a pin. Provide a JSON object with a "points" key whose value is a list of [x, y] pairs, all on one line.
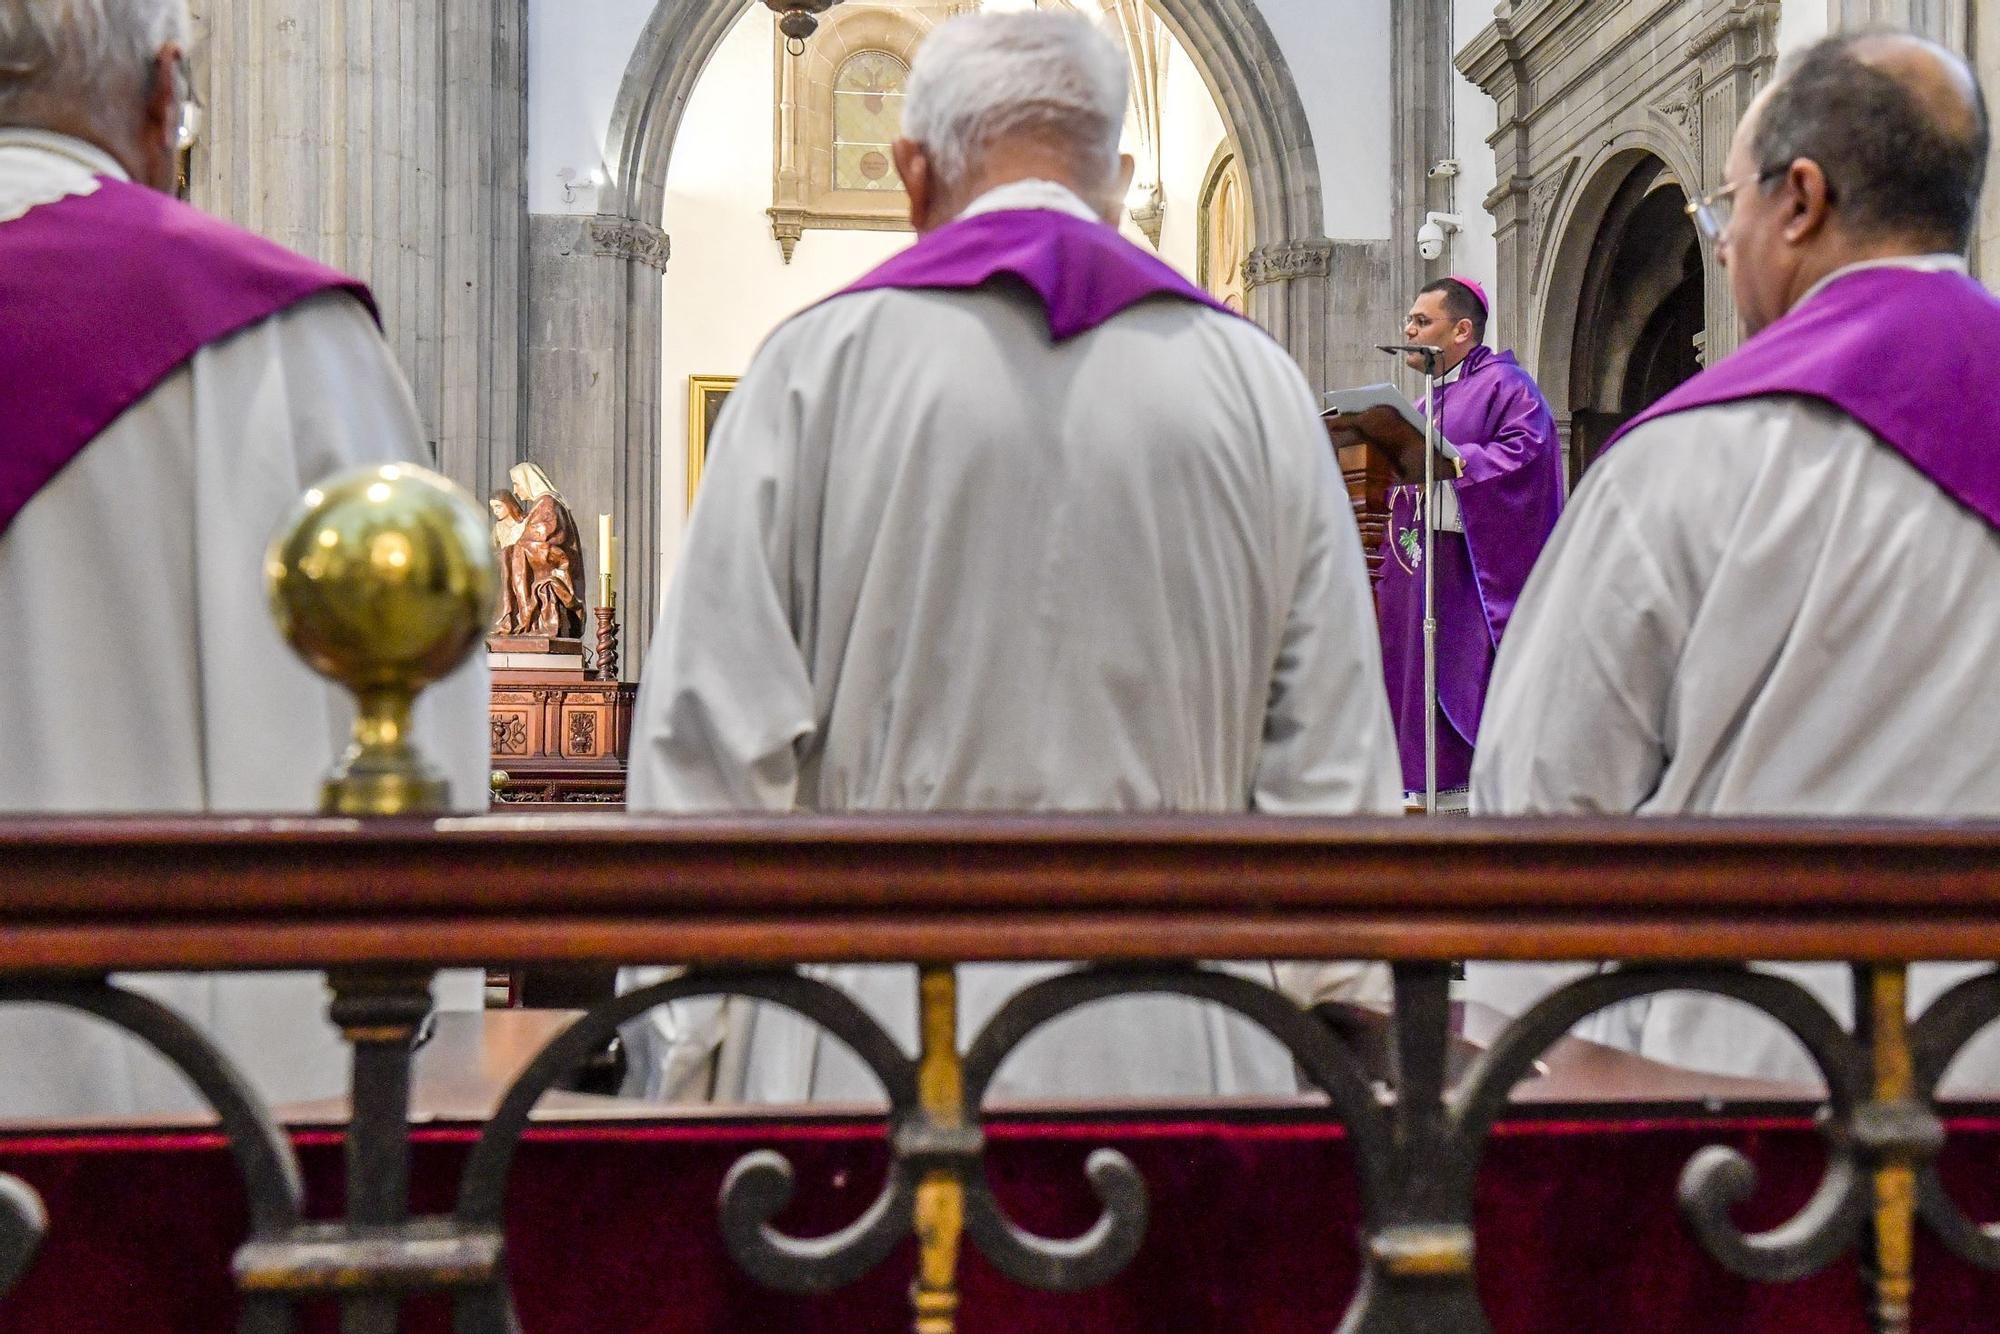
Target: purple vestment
{"points": [[1508, 497], [104, 295], [1906, 353], [1083, 272]]}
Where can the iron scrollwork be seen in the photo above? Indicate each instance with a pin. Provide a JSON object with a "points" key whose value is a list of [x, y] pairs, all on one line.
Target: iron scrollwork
{"points": [[263, 1155], [1416, 1153]]}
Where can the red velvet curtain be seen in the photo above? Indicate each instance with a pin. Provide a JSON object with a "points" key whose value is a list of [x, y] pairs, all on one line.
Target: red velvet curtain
{"points": [[613, 1228]]}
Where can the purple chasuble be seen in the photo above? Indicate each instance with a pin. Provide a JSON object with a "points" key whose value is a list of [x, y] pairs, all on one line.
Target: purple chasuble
{"points": [[104, 295], [1508, 498], [1869, 344], [1083, 272]]}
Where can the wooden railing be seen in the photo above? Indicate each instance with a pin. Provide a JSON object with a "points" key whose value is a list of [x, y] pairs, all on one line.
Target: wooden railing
{"points": [[382, 904]]}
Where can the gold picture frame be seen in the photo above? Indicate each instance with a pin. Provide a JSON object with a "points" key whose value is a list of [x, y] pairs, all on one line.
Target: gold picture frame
{"points": [[705, 396]]}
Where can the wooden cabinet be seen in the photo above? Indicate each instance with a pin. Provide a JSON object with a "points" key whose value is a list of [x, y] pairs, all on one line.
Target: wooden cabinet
{"points": [[560, 737]]}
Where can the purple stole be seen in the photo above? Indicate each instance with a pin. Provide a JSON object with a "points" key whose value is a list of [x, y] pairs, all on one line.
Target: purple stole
{"points": [[1084, 273], [1509, 499], [104, 295], [1906, 353]]}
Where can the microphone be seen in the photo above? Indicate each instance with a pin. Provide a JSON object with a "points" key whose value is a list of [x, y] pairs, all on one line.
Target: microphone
{"points": [[1429, 354]]}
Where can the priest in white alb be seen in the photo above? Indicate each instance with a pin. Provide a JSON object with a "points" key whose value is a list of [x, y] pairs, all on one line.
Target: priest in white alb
{"points": [[1020, 522], [1774, 595], [171, 385]]}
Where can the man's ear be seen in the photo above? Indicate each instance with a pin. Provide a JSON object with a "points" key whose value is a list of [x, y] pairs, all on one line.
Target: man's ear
{"points": [[1808, 200], [913, 166], [159, 129]]}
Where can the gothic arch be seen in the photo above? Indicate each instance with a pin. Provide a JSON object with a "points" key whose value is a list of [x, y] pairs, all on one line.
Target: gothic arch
{"points": [[1232, 46]]}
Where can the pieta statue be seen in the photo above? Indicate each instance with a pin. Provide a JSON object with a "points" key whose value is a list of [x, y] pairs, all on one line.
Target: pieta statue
{"points": [[541, 559]]}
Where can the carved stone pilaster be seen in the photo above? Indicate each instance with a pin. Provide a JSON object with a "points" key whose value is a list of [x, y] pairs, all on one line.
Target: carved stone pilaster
{"points": [[627, 238], [1735, 54], [1286, 261]]}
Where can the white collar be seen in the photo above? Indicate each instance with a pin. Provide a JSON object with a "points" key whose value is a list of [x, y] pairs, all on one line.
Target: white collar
{"points": [[1943, 261], [1034, 193], [86, 155], [37, 168]]}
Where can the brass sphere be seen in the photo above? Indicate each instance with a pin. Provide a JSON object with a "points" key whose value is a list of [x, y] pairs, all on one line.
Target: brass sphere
{"points": [[383, 578]]}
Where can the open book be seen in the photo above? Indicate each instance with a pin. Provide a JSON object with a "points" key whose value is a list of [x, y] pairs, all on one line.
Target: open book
{"points": [[1348, 402]]}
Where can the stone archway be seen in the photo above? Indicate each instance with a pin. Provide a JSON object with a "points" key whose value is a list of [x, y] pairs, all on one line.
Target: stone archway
{"points": [[596, 378], [1625, 274], [1639, 323]]}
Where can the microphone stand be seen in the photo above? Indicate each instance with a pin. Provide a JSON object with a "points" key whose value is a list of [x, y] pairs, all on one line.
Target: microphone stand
{"points": [[1430, 585]]}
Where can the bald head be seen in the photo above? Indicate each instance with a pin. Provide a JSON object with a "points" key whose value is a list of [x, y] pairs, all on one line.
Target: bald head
{"points": [[1896, 123]]}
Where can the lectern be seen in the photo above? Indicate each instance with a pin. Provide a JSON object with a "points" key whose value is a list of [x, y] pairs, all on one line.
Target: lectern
{"points": [[1367, 469]]}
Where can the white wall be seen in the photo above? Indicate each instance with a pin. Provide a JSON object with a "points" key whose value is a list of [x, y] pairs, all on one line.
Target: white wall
{"points": [[1338, 53], [577, 54], [1191, 130], [1803, 22]]}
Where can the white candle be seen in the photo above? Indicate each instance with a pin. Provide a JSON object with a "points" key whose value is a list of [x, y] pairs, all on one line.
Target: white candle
{"points": [[606, 582]]}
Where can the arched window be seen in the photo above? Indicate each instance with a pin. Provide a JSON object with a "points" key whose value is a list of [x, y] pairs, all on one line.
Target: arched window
{"points": [[867, 117], [1223, 242], [839, 108]]}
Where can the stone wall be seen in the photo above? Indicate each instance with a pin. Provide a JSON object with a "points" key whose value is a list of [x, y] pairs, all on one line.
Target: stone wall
{"points": [[387, 139], [1584, 89]]}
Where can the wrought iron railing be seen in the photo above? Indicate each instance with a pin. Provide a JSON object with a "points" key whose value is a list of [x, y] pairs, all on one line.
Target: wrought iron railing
{"points": [[382, 904]]}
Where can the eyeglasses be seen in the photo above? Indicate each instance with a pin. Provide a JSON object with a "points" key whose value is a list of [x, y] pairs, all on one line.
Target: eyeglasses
{"points": [[1711, 212], [188, 131]]}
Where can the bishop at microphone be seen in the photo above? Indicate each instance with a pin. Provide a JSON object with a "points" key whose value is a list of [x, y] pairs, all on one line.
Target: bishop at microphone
{"points": [[1507, 481]]}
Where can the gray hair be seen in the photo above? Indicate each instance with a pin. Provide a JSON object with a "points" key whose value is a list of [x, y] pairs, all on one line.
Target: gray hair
{"points": [[985, 78], [80, 57], [1893, 165]]}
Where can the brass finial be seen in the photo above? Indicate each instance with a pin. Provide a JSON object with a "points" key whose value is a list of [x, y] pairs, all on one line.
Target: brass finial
{"points": [[383, 579]]}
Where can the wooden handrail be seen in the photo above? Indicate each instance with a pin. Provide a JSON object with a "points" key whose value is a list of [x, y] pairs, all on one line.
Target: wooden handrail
{"points": [[92, 894]]}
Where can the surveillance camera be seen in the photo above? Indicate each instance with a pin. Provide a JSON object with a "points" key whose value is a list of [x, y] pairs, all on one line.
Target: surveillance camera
{"points": [[1430, 236], [1443, 169]]}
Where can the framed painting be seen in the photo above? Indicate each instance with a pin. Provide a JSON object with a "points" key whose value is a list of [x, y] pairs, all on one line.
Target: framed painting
{"points": [[705, 397]]}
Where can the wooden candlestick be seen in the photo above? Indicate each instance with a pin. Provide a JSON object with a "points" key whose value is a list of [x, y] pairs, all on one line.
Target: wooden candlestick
{"points": [[607, 644]]}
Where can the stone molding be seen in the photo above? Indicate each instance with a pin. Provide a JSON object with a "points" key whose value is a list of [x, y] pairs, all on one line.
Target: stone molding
{"points": [[628, 238], [1543, 197], [1681, 108], [1287, 261], [1751, 21]]}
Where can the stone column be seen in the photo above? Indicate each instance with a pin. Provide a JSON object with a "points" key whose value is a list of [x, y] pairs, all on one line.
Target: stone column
{"points": [[1420, 41], [1945, 21], [1984, 42], [388, 139], [593, 360]]}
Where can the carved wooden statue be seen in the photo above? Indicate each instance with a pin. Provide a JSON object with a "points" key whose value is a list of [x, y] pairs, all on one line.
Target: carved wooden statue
{"points": [[541, 560]]}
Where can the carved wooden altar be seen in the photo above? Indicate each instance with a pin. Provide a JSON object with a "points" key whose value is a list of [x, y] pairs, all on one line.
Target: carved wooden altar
{"points": [[561, 737]]}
